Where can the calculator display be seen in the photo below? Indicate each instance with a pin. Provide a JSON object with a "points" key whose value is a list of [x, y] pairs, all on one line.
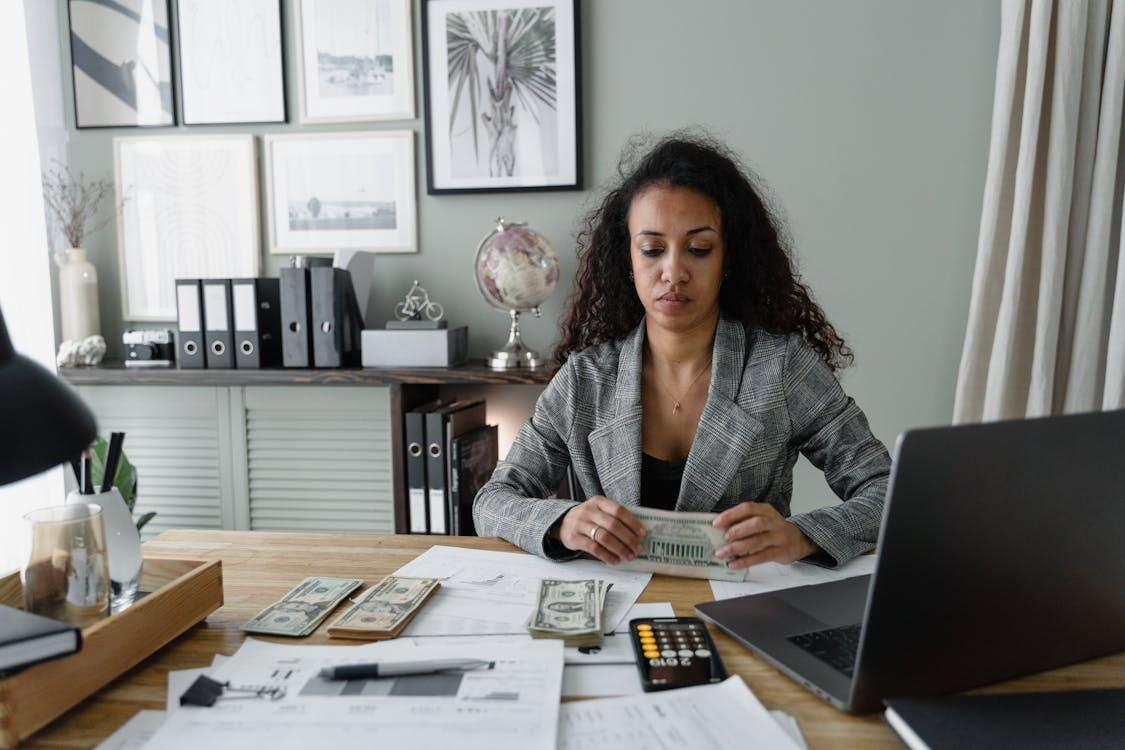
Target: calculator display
{"points": [[674, 652]]}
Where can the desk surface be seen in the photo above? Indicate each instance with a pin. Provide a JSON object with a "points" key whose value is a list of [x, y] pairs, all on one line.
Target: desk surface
{"points": [[259, 567]]}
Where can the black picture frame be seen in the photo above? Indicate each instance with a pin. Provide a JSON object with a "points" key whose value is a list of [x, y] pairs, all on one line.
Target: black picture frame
{"points": [[439, 178], [179, 74], [105, 74]]}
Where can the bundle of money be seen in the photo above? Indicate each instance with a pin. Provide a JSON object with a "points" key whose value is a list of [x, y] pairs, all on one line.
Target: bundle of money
{"points": [[572, 611], [303, 608], [384, 609], [681, 544]]}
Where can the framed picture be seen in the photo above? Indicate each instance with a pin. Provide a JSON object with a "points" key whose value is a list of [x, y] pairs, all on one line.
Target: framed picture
{"points": [[502, 95], [356, 60], [341, 191], [189, 210], [121, 63], [230, 61]]}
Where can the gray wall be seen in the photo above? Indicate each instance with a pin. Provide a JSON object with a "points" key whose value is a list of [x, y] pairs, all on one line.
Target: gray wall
{"points": [[867, 120]]}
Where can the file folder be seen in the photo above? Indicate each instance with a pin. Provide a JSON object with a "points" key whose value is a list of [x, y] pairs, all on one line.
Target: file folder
{"points": [[414, 437], [472, 459], [442, 425], [257, 322], [336, 321], [218, 328], [296, 340], [189, 317]]}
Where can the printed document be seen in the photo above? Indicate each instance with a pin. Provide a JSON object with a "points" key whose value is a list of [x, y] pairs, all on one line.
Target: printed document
{"points": [[492, 593], [514, 701], [725, 716], [774, 576]]}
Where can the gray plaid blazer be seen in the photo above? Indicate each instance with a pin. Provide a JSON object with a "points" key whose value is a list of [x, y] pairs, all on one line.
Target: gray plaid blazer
{"points": [[771, 396]]}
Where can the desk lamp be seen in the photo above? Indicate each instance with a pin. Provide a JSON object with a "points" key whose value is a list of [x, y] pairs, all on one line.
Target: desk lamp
{"points": [[42, 421]]}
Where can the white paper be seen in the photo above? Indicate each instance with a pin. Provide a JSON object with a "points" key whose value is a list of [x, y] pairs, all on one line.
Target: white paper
{"points": [[725, 716], [774, 576], [486, 592], [133, 734], [514, 702], [601, 680], [791, 727]]}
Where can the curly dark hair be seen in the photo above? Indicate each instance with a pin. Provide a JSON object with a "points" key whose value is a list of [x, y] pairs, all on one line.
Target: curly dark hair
{"points": [[763, 287]]}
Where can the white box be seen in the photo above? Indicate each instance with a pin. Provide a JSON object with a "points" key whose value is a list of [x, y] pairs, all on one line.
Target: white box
{"points": [[443, 347]]}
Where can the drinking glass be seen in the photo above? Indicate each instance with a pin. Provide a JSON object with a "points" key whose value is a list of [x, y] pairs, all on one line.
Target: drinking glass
{"points": [[67, 571]]}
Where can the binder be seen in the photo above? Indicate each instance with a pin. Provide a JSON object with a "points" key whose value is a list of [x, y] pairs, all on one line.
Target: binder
{"points": [[442, 425], [414, 437], [472, 459], [189, 317], [296, 341], [257, 322], [336, 322], [218, 327]]}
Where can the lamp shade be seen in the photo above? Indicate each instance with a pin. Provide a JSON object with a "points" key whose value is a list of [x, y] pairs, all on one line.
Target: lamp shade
{"points": [[43, 422]]}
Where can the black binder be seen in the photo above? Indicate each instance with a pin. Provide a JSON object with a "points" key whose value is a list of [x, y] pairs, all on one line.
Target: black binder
{"points": [[472, 459], [336, 321], [296, 340], [414, 436], [257, 322], [189, 316], [442, 425], [1071, 719], [218, 326]]}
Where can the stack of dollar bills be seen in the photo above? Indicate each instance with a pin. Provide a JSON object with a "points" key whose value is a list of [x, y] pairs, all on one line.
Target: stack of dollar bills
{"points": [[572, 611], [385, 609], [300, 611]]}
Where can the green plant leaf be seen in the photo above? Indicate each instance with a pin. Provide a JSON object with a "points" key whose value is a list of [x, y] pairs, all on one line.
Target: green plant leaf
{"points": [[145, 519]]}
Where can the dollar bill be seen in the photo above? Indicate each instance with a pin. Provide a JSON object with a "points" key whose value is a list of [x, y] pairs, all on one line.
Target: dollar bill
{"points": [[384, 609], [572, 611], [681, 544], [300, 611]]}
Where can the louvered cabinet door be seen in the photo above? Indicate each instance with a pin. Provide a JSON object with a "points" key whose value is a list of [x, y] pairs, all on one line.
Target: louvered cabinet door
{"points": [[179, 439], [318, 458]]}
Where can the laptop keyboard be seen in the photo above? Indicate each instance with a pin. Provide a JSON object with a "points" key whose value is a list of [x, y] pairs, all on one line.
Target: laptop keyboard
{"points": [[836, 647]]}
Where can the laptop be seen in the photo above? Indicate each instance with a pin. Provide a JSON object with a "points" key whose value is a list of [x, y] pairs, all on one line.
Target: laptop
{"points": [[1001, 553]]}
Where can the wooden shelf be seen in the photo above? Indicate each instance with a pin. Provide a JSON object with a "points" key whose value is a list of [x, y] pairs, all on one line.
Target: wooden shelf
{"points": [[470, 373]]}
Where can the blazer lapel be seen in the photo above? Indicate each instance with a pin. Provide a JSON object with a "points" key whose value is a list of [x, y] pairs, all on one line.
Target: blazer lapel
{"points": [[726, 433], [616, 444]]}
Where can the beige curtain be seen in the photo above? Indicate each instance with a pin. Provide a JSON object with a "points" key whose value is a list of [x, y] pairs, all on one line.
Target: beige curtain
{"points": [[1046, 332]]}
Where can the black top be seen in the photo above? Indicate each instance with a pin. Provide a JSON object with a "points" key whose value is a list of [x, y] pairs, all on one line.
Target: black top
{"points": [[660, 482]]}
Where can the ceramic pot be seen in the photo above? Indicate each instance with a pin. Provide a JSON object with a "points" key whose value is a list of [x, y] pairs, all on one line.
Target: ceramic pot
{"points": [[123, 544], [78, 296]]}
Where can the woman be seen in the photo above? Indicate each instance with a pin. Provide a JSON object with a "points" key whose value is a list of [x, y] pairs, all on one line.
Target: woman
{"points": [[694, 368]]}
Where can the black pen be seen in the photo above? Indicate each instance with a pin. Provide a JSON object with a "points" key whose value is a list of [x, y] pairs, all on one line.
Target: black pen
{"points": [[87, 480], [112, 458], [400, 668]]}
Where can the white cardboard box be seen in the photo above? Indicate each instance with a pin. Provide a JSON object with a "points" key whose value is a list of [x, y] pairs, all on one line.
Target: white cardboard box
{"points": [[443, 347]]}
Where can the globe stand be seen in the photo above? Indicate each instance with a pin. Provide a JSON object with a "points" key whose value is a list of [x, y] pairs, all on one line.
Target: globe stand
{"points": [[514, 354]]}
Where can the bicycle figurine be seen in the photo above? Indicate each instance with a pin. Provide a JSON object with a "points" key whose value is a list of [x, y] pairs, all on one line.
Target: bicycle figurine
{"points": [[417, 304]]}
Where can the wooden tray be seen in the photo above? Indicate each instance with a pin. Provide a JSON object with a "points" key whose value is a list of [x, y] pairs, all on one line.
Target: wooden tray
{"points": [[183, 593]]}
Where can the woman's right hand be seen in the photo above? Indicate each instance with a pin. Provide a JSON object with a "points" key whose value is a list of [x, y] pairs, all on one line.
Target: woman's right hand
{"points": [[602, 528]]}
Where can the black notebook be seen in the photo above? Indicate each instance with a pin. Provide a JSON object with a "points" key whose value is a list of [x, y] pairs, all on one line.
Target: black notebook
{"points": [[27, 639], [1074, 719]]}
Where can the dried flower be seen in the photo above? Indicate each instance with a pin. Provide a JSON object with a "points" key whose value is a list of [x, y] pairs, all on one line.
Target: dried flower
{"points": [[72, 203]]}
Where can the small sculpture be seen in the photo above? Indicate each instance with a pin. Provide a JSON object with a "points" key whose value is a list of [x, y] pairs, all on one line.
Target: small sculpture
{"points": [[81, 352], [416, 304]]}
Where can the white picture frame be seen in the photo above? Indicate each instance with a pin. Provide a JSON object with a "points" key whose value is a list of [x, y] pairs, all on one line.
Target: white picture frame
{"points": [[341, 191], [189, 209], [355, 60], [528, 139], [231, 61]]}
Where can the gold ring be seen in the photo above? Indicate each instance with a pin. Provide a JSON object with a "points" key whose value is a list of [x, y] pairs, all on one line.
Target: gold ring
{"points": [[594, 532]]}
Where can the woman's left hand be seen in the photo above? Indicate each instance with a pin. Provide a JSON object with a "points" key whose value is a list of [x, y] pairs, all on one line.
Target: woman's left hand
{"points": [[757, 533]]}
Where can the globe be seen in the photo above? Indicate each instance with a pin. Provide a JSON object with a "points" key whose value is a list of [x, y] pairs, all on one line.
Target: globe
{"points": [[516, 271], [517, 268]]}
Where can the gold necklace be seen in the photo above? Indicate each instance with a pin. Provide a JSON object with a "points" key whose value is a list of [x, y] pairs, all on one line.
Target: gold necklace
{"points": [[676, 405]]}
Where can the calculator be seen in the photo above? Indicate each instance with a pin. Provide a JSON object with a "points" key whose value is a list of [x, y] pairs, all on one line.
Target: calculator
{"points": [[674, 652]]}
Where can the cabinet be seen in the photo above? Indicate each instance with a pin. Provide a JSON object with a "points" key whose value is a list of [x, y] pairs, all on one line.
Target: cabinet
{"points": [[280, 450]]}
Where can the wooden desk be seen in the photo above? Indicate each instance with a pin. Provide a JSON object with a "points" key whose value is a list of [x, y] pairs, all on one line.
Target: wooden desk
{"points": [[260, 567]]}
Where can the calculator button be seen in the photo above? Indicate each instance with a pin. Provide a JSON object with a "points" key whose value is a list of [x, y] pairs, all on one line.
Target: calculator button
{"points": [[684, 653], [668, 653], [702, 653], [655, 662], [652, 654], [644, 627]]}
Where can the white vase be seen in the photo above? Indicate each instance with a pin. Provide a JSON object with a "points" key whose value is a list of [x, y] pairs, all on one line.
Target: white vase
{"points": [[78, 295], [123, 544]]}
